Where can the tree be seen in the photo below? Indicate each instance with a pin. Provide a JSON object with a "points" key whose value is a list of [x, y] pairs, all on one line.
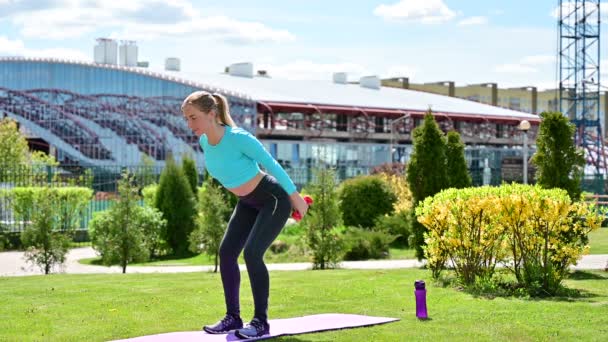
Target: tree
{"points": [[426, 171], [126, 232], [145, 172], [13, 150], [458, 173], [559, 164], [212, 221], [48, 237], [323, 219], [176, 201], [191, 173]]}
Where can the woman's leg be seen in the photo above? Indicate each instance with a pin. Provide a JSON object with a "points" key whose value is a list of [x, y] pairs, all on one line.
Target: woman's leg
{"points": [[269, 223], [240, 225]]}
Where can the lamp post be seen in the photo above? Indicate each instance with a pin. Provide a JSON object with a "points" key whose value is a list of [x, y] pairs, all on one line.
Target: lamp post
{"points": [[393, 122], [524, 126]]}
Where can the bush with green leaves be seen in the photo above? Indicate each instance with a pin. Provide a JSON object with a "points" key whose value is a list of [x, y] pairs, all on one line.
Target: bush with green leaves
{"points": [[539, 233], [362, 244], [149, 194], [146, 171], [189, 167], [426, 172], [364, 198], [174, 198], [559, 163], [212, 222], [398, 225], [126, 232], [322, 222], [51, 216], [457, 170]]}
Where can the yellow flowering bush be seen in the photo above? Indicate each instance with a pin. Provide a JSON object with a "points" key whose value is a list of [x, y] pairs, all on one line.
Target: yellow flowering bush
{"points": [[537, 233], [399, 185], [463, 229]]}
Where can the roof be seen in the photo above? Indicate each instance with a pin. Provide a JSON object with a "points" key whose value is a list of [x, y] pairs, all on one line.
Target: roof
{"points": [[322, 93], [327, 93]]}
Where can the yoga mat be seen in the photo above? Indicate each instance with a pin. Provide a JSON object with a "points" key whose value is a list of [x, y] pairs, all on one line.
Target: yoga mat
{"points": [[278, 327]]}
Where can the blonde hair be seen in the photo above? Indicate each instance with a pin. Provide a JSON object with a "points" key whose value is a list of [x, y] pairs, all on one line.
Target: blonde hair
{"points": [[206, 102]]}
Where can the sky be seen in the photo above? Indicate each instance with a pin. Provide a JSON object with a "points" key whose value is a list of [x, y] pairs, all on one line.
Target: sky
{"points": [[513, 43]]}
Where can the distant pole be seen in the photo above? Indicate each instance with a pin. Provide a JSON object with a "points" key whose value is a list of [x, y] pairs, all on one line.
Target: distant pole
{"points": [[524, 126], [393, 122]]}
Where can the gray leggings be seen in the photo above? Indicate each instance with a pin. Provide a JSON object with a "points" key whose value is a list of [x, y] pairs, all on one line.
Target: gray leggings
{"points": [[257, 220]]}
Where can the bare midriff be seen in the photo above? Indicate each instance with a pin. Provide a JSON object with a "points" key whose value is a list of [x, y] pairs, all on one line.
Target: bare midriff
{"points": [[249, 186]]}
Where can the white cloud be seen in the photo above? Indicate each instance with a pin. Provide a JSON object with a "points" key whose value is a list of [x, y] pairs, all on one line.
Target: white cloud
{"points": [[138, 19], [515, 68], [528, 64], [470, 21], [539, 60], [212, 28], [400, 71], [604, 67], [10, 47], [308, 70], [426, 12]]}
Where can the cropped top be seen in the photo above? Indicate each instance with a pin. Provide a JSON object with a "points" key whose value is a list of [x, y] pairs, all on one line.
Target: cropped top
{"points": [[234, 159]]}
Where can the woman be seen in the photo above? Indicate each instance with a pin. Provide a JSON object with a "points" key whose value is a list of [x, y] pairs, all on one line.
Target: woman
{"points": [[265, 202]]}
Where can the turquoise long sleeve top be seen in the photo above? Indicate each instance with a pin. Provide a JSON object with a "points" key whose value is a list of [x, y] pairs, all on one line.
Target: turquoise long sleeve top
{"points": [[234, 159]]}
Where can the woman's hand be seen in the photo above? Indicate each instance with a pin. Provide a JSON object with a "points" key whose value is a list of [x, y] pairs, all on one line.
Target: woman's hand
{"points": [[298, 203]]}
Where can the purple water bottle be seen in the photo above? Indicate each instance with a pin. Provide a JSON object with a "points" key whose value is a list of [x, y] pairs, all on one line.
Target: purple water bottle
{"points": [[420, 293]]}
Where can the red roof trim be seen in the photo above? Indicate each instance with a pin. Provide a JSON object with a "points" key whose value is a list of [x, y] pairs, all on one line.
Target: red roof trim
{"points": [[314, 108]]}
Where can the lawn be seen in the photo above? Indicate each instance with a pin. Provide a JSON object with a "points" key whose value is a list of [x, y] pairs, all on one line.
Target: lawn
{"points": [[105, 307], [203, 259], [598, 241]]}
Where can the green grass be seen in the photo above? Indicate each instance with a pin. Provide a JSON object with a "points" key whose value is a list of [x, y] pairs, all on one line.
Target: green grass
{"points": [[203, 259], [106, 307], [598, 241]]}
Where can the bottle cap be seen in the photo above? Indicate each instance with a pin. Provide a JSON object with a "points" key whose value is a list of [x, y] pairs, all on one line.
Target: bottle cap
{"points": [[419, 284]]}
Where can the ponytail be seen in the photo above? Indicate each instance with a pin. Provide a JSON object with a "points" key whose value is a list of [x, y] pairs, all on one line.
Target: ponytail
{"points": [[222, 110]]}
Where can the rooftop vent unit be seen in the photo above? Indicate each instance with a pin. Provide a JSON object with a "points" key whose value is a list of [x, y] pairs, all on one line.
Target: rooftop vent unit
{"points": [[241, 69], [371, 82], [172, 64], [340, 78]]}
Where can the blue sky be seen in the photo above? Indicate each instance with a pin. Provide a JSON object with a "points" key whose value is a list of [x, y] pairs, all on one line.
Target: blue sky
{"points": [[473, 41]]}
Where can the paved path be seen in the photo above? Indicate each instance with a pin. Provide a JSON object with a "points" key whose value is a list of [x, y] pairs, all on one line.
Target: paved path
{"points": [[13, 264]]}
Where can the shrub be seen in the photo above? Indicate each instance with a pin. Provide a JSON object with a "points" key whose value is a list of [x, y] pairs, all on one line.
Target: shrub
{"points": [[559, 162], [322, 220], [426, 171], [149, 194], [398, 225], [279, 246], [51, 216], [456, 164], [175, 200], [191, 173], [212, 222], [126, 233], [401, 189], [364, 198], [540, 232], [362, 244]]}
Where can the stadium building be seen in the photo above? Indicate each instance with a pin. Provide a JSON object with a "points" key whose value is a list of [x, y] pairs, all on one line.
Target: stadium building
{"points": [[108, 113]]}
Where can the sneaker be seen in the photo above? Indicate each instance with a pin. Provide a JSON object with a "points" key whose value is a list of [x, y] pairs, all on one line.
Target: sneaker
{"points": [[256, 328], [224, 326]]}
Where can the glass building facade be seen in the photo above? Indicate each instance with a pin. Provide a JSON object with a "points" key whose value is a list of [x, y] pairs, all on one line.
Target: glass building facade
{"points": [[104, 115]]}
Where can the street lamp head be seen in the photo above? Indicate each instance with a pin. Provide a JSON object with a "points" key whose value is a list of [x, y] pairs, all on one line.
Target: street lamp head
{"points": [[524, 125]]}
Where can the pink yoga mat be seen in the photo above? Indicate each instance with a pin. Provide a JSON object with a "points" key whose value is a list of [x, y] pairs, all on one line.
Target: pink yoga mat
{"points": [[278, 327]]}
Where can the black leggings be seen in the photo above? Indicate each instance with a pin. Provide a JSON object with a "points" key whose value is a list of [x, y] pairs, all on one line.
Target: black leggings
{"points": [[257, 220]]}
